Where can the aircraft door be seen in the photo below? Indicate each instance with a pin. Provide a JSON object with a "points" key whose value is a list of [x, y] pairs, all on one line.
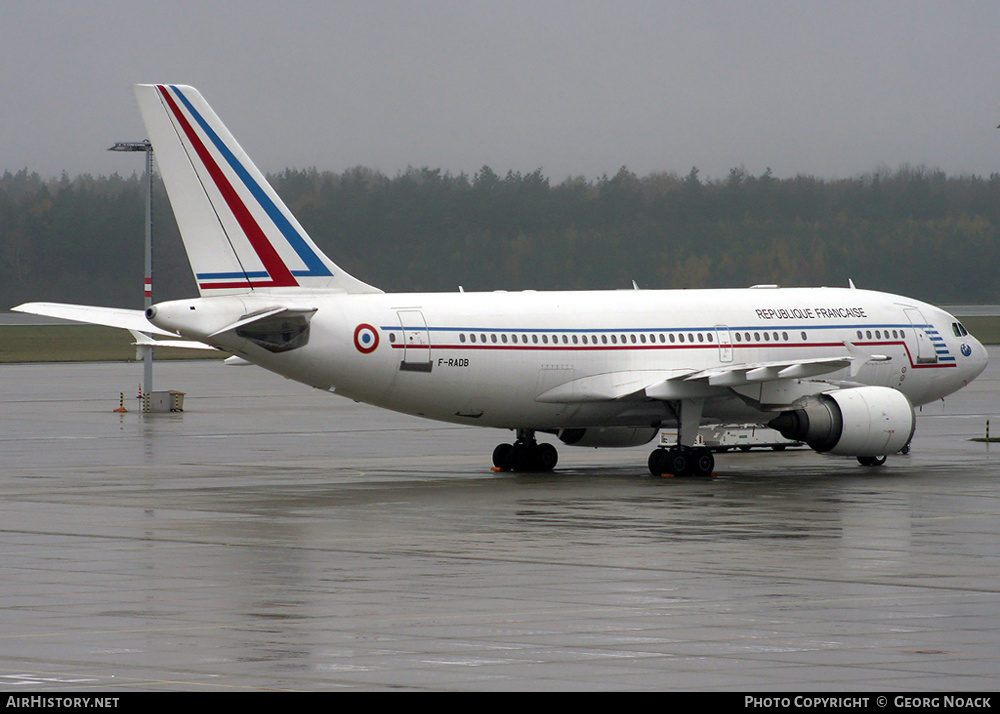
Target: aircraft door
{"points": [[926, 352], [725, 343], [416, 341]]}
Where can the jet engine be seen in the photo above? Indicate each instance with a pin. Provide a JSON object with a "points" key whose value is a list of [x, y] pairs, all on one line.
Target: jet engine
{"points": [[608, 436], [860, 421]]}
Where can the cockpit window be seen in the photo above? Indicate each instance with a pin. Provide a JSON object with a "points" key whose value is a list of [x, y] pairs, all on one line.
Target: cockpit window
{"points": [[959, 329]]}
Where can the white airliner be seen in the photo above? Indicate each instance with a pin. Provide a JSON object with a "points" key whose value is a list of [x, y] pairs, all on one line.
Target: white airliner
{"points": [[840, 369]]}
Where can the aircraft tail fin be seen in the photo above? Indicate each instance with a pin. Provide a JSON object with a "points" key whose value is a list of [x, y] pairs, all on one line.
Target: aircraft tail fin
{"points": [[238, 234]]}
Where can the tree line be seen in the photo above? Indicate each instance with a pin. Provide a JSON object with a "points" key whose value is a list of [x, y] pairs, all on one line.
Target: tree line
{"points": [[911, 230]]}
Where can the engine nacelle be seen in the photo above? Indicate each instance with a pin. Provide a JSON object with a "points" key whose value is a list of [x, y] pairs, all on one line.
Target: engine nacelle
{"points": [[862, 421], [608, 436]]}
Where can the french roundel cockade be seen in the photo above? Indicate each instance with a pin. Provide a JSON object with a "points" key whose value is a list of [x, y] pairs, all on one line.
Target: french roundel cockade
{"points": [[365, 338]]}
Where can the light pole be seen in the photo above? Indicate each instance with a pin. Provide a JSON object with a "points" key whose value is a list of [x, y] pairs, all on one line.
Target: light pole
{"points": [[147, 359]]}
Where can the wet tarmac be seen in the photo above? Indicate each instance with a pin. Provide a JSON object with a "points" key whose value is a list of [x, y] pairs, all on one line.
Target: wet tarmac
{"points": [[273, 537]]}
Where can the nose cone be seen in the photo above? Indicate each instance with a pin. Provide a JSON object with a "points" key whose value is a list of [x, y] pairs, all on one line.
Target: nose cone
{"points": [[977, 359]]}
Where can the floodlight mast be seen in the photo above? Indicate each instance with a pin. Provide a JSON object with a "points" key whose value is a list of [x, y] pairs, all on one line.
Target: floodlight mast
{"points": [[147, 147]]}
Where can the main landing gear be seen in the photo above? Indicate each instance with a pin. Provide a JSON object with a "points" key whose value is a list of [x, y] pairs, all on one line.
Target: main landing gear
{"points": [[681, 461], [525, 454], [684, 459]]}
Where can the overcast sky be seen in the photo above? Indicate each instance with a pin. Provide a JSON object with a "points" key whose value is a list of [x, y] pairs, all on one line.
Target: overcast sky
{"points": [[832, 88]]}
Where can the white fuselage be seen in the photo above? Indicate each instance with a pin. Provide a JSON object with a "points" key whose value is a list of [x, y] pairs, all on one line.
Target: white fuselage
{"points": [[504, 359]]}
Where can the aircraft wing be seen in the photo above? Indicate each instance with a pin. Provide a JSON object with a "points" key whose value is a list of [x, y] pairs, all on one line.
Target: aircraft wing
{"points": [[738, 375], [609, 386], [107, 316], [700, 384]]}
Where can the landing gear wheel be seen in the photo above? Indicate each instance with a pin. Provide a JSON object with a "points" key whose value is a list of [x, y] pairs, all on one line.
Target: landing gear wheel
{"points": [[871, 460], [657, 462], [525, 455], [704, 462], [522, 457], [681, 461], [547, 457], [501, 456]]}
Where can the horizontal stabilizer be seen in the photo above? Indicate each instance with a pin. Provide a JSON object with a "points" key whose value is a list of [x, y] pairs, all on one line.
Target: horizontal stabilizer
{"points": [[106, 316], [142, 340]]}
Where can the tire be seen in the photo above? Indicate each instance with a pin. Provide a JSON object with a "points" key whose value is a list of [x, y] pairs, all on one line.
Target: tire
{"points": [[871, 460], [680, 463], [703, 463], [657, 462], [502, 456], [546, 457]]}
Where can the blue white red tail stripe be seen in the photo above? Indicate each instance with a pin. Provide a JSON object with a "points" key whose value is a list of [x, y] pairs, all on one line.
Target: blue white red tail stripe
{"points": [[314, 264], [276, 272], [238, 234]]}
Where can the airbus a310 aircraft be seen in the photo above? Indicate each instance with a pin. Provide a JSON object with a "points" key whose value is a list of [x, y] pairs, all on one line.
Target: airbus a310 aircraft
{"points": [[840, 369]]}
